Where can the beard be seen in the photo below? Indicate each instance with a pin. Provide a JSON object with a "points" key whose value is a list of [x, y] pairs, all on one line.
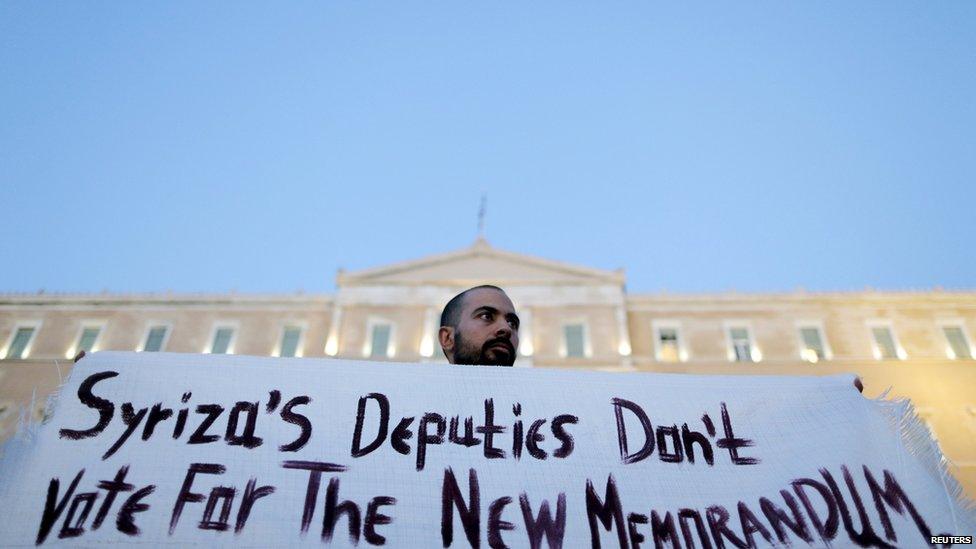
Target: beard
{"points": [[483, 356]]}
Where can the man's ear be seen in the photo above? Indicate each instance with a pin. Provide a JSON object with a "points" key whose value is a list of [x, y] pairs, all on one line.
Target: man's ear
{"points": [[445, 336]]}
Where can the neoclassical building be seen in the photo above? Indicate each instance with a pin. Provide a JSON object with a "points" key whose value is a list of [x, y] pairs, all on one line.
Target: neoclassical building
{"points": [[918, 344]]}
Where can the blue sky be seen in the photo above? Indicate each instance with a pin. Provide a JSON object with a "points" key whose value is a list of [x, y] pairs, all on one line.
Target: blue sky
{"points": [[749, 146]]}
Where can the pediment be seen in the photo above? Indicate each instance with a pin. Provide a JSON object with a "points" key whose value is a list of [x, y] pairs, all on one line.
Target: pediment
{"points": [[477, 264]]}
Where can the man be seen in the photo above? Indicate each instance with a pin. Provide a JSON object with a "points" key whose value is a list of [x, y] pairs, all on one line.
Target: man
{"points": [[479, 326]]}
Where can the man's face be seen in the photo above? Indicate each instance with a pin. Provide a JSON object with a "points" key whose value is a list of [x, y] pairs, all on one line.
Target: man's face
{"points": [[487, 332]]}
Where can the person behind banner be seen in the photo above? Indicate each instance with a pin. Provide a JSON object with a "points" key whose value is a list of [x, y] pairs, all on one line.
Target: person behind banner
{"points": [[479, 326]]}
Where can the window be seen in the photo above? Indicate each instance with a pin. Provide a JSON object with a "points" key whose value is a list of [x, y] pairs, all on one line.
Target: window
{"points": [[884, 340], [20, 342], [291, 338], [959, 348], [87, 339], [574, 340], [430, 347], [741, 347], [813, 344], [667, 339], [156, 338], [885, 347], [380, 339], [223, 340], [668, 346]]}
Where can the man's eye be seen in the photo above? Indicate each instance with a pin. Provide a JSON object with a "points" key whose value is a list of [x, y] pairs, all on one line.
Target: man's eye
{"points": [[485, 315]]}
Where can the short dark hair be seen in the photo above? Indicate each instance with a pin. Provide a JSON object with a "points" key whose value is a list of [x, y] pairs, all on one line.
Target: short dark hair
{"points": [[451, 315]]}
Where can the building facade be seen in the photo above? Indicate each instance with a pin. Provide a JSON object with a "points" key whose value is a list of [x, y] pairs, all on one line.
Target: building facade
{"points": [[918, 345]]}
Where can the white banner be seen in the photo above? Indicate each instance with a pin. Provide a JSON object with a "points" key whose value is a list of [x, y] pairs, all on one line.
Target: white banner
{"points": [[171, 449]]}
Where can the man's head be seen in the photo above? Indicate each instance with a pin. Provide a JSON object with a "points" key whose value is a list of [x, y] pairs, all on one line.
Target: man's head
{"points": [[479, 326]]}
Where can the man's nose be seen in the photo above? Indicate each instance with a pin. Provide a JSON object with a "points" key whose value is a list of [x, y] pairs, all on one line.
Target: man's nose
{"points": [[504, 329]]}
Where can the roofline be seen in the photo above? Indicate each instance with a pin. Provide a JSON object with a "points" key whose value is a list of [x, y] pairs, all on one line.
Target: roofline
{"points": [[44, 298], [483, 248], [802, 295]]}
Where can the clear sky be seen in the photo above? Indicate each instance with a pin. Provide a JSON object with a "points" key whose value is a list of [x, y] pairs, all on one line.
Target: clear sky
{"points": [[153, 146]]}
